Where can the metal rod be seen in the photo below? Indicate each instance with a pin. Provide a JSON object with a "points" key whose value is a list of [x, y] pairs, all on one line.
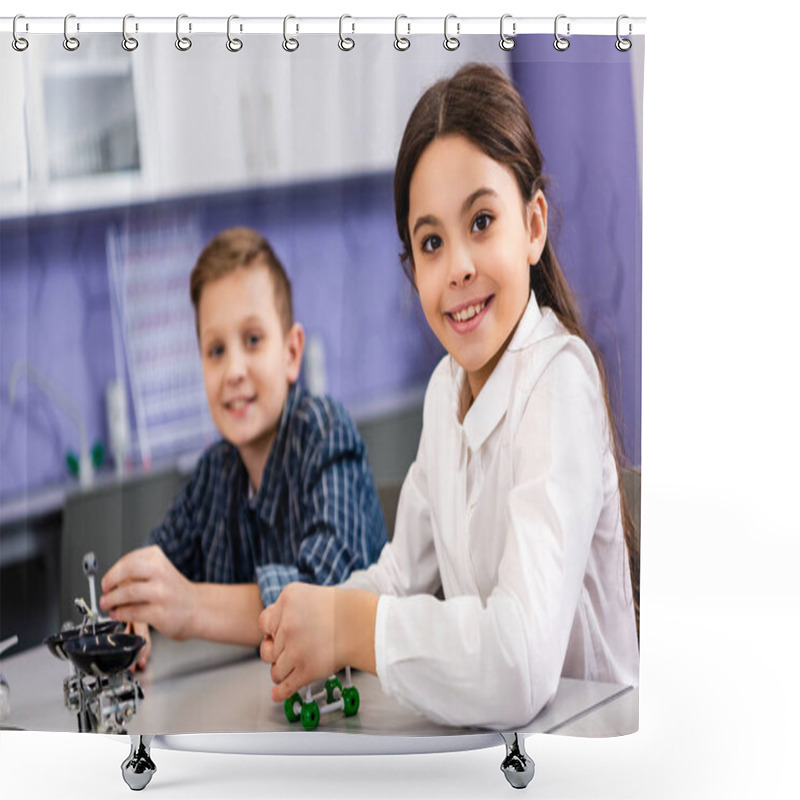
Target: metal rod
{"points": [[325, 25]]}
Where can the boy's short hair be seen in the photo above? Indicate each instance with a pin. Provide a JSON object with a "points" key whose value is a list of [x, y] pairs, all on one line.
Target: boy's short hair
{"points": [[241, 247]]}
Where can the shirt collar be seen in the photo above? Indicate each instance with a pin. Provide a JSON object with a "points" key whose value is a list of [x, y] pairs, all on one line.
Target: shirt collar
{"points": [[490, 405], [266, 500]]}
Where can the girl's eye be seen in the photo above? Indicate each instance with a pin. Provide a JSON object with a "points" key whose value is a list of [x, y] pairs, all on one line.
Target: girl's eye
{"points": [[253, 339], [431, 243], [215, 351], [481, 222]]}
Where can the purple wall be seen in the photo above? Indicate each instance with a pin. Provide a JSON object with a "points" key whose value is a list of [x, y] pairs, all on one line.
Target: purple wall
{"points": [[339, 245], [581, 102], [337, 241]]}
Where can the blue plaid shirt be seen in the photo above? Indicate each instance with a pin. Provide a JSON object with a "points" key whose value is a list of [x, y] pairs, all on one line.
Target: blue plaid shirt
{"points": [[315, 518]]}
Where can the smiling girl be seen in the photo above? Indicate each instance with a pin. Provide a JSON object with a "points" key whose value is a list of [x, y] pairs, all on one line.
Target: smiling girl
{"points": [[512, 512]]}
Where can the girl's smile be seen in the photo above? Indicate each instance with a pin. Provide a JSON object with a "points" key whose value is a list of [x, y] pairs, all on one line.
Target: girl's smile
{"points": [[466, 317], [473, 237]]}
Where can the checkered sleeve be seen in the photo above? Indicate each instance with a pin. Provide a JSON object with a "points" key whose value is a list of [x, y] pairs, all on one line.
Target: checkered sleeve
{"points": [[178, 535], [272, 578], [341, 524]]}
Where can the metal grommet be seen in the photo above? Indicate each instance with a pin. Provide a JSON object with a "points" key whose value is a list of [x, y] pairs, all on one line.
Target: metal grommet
{"points": [[507, 42], [289, 44], [623, 45], [18, 42], [451, 42], [70, 42], [400, 42], [128, 42], [183, 43], [560, 44], [234, 45], [345, 42]]}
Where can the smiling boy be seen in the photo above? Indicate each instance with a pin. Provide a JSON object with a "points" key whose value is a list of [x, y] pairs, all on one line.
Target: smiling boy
{"points": [[287, 495]]}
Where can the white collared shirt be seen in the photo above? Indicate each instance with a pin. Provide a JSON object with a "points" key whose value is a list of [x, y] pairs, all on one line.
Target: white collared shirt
{"points": [[515, 514]]}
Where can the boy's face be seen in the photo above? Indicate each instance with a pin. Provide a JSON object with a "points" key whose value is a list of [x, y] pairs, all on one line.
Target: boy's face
{"points": [[248, 360]]}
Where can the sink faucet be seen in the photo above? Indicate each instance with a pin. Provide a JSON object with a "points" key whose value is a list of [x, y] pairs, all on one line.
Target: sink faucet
{"points": [[22, 367]]}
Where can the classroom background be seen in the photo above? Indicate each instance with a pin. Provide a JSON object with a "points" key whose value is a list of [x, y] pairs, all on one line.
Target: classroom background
{"points": [[118, 167]]}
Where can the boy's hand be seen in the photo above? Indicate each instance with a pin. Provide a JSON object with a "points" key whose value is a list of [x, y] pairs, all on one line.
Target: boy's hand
{"points": [[299, 631], [140, 629], [144, 586]]}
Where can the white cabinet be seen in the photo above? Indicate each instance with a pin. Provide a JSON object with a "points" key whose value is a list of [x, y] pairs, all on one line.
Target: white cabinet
{"points": [[80, 116], [13, 144], [349, 110], [213, 118], [103, 127]]}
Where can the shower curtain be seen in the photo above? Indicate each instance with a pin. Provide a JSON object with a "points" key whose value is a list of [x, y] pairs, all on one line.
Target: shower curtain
{"points": [[124, 154]]}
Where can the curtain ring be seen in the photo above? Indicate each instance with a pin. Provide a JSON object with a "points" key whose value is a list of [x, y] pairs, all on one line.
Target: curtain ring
{"points": [[507, 42], [400, 42], [70, 42], [560, 44], [345, 42], [128, 42], [451, 42], [289, 44], [183, 43], [234, 45], [621, 44], [18, 42]]}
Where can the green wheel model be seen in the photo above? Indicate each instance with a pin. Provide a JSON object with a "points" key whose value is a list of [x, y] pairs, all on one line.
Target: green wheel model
{"points": [[288, 707], [309, 715], [351, 701], [330, 685]]}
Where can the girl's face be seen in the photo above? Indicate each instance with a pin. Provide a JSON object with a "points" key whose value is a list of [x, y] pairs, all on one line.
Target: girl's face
{"points": [[472, 241]]}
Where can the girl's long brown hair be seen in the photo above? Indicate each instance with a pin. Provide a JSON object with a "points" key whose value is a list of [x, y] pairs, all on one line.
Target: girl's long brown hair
{"points": [[480, 103]]}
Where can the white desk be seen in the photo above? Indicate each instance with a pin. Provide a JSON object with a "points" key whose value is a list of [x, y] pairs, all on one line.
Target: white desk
{"points": [[201, 688]]}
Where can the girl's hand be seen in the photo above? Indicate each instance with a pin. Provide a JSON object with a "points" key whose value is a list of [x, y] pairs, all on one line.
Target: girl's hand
{"points": [[310, 632], [144, 586], [140, 629], [299, 637]]}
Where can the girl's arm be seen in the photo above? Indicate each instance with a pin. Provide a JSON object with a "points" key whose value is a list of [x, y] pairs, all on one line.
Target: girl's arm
{"points": [[497, 662]]}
